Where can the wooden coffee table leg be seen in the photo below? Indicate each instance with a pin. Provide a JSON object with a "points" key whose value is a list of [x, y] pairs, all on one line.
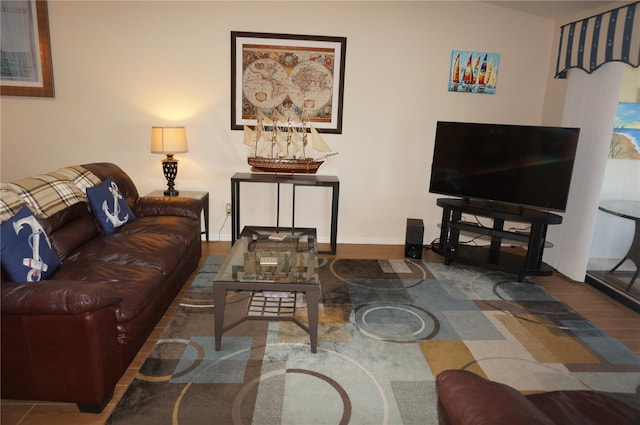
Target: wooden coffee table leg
{"points": [[219, 301], [312, 295]]}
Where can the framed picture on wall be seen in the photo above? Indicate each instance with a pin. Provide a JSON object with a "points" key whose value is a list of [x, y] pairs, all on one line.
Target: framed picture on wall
{"points": [[25, 56], [298, 76], [625, 141], [474, 72]]}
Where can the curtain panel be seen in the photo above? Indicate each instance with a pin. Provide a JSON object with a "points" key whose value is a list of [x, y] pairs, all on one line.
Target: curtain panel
{"points": [[607, 37]]}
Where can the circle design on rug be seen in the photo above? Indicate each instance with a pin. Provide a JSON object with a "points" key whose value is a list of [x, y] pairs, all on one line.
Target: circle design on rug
{"points": [[322, 262], [500, 284], [237, 402], [533, 301], [416, 318], [383, 403], [536, 302], [401, 277], [420, 266], [196, 362]]}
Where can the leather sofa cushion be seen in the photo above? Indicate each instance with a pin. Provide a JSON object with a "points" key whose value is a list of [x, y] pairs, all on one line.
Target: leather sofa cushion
{"points": [[589, 407], [56, 297], [173, 206], [148, 250], [69, 229], [134, 286], [470, 399], [185, 230]]}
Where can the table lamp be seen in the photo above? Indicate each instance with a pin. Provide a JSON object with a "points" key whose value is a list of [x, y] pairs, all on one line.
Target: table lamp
{"points": [[169, 141]]}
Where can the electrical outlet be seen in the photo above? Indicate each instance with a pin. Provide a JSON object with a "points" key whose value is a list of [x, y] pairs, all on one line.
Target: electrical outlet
{"points": [[227, 208]]}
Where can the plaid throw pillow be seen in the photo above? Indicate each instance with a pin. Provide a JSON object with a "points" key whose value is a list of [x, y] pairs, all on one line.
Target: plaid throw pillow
{"points": [[10, 203], [79, 176], [47, 194]]}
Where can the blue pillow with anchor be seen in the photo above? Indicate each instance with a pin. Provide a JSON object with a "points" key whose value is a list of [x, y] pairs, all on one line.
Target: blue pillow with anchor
{"points": [[26, 250], [109, 206]]}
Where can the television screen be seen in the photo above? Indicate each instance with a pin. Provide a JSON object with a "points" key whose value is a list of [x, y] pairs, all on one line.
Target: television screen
{"points": [[513, 164]]}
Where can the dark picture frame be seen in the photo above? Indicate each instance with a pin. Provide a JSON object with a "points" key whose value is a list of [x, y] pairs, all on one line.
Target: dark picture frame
{"points": [[42, 86], [299, 75]]}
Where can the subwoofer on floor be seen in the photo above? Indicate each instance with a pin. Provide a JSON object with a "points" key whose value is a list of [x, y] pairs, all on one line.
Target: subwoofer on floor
{"points": [[414, 240]]}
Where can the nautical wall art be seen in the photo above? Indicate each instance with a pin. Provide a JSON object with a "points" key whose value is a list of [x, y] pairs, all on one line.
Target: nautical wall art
{"points": [[474, 72], [625, 142]]}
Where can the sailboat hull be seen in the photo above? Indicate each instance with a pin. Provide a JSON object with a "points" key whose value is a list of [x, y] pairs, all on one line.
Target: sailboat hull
{"points": [[285, 165]]}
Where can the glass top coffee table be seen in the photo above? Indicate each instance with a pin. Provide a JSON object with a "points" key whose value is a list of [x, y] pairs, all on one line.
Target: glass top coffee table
{"points": [[273, 267]]}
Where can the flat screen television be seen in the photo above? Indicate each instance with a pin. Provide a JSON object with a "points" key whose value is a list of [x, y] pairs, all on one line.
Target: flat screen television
{"points": [[504, 165]]}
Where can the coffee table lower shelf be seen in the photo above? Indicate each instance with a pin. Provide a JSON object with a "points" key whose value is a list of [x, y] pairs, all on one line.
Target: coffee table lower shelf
{"points": [[271, 308], [268, 308]]}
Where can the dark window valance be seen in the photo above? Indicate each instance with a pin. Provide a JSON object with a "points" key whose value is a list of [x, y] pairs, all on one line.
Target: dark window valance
{"points": [[606, 37]]}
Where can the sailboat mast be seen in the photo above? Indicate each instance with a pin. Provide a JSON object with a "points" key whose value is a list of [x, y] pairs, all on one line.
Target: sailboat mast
{"points": [[274, 134], [304, 138], [288, 139], [255, 148], [258, 133]]}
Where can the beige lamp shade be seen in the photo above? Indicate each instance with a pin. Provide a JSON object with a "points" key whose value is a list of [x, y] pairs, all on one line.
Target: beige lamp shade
{"points": [[168, 140]]}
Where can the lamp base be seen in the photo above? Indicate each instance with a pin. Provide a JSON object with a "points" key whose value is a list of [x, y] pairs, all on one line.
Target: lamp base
{"points": [[170, 170]]}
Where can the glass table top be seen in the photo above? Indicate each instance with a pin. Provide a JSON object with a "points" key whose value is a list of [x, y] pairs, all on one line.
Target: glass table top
{"points": [[263, 255], [623, 208]]}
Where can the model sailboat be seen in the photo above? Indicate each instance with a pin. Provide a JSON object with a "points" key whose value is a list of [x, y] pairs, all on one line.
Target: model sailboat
{"points": [[279, 147]]}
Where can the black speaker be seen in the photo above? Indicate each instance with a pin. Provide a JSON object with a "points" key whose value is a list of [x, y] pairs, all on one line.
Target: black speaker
{"points": [[414, 240]]}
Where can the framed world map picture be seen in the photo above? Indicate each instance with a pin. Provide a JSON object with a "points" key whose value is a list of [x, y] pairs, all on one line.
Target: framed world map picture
{"points": [[284, 75]]}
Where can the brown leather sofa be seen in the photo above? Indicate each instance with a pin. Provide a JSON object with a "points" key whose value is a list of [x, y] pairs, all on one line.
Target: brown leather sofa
{"points": [[71, 337], [465, 398]]}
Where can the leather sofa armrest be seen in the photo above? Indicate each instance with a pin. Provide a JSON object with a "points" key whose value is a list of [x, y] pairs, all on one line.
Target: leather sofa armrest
{"points": [[469, 399], [576, 407], [178, 206], [56, 297]]}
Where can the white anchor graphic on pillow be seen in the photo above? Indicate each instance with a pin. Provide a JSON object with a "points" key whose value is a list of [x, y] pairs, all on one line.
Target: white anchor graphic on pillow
{"points": [[35, 263], [113, 217]]}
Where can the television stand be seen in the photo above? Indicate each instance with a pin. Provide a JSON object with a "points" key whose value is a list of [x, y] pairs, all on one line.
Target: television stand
{"points": [[492, 256]]}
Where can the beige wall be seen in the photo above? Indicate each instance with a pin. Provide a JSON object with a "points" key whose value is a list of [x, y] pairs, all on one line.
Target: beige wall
{"points": [[121, 67]]}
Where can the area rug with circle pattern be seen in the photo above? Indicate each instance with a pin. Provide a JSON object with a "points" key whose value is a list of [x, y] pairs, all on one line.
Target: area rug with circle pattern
{"points": [[386, 329]]}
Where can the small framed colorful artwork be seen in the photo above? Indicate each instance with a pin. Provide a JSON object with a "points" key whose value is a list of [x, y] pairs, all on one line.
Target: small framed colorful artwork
{"points": [[474, 72]]}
